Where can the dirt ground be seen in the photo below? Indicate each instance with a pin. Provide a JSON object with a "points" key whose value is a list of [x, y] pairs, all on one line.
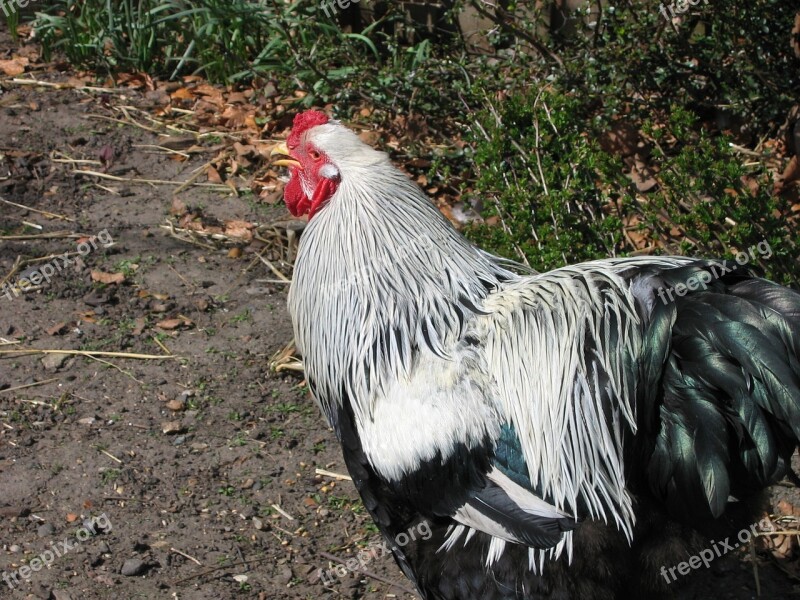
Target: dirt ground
{"points": [[190, 476]]}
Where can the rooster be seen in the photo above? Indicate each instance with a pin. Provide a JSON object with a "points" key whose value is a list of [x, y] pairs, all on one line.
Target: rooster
{"points": [[569, 434]]}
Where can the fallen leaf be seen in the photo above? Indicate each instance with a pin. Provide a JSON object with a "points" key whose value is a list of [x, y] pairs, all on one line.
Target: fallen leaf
{"points": [[239, 229], [175, 405], [178, 207], [89, 317], [57, 329], [102, 277], [170, 324], [15, 66], [369, 137], [139, 324], [213, 175]]}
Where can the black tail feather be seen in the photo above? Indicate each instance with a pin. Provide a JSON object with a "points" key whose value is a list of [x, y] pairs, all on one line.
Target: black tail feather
{"points": [[720, 401]]}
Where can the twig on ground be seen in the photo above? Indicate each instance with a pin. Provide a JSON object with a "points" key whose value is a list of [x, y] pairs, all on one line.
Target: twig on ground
{"points": [[90, 353], [41, 212], [111, 456], [283, 512], [217, 186], [120, 369], [183, 554], [29, 385], [66, 86], [333, 475], [273, 268], [43, 236]]}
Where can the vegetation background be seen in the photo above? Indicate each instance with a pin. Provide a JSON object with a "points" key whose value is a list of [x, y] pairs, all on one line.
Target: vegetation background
{"points": [[560, 131]]}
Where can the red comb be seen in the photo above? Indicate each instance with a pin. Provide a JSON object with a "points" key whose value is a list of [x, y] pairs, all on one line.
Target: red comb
{"points": [[303, 122]]}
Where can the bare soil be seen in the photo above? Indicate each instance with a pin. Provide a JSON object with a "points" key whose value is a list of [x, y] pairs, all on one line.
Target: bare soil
{"points": [[199, 469]]}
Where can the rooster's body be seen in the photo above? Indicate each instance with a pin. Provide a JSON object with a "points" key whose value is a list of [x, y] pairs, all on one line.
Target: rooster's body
{"points": [[563, 435]]}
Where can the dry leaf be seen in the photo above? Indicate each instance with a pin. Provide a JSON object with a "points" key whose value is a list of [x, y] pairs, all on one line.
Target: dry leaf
{"points": [[57, 329], [139, 324], [170, 324], [182, 94], [102, 277], [15, 66], [213, 175], [240, 229], [178, 207], [175, 405]]}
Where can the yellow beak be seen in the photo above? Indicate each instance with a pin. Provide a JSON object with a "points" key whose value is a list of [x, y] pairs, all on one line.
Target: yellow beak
{"points": [[283, 150]]}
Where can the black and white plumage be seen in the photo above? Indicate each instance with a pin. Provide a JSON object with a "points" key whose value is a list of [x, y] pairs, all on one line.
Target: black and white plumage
{"points": [[558, 432]]}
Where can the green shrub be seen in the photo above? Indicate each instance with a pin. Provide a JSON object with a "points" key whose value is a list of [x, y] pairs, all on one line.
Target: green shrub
{"points": [[696, 92]]}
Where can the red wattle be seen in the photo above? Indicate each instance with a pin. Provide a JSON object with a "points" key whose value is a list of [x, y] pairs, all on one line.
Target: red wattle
{"points": [[323, 193], [299, 204], [294, 196]]}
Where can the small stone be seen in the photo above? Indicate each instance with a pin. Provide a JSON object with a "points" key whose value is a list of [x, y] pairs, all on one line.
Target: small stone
{"points": [[61, 595], [46, 530], [285, 575], [53, 362], [185, 395], [40, 591], [179, 441], [171, 427], [258, 523], [133, 567], [14, 548]]}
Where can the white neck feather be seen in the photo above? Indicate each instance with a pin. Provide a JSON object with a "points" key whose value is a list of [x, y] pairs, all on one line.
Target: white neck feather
{"points": [[379, 271]]}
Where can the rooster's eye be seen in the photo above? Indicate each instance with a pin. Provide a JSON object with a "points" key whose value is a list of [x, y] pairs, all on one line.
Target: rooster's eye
{"points": [[314, 155]]}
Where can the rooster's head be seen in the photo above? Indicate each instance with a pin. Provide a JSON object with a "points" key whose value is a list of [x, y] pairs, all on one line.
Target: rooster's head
{"points": [[320, 153]]}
